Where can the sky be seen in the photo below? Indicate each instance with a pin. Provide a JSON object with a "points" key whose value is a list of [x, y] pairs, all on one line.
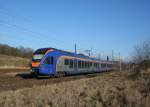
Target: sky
{"points": [[100, 25]]}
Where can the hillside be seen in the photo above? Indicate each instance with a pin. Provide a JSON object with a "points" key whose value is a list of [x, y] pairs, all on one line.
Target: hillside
{"points": [[114, 89], [13, 62], [16, 51]]}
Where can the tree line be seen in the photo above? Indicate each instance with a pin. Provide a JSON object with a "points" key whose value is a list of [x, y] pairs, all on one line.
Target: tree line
{"points": [[16, 51]]}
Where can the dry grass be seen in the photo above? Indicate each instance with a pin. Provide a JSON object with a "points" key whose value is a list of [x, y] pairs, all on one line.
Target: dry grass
{"points": [[107, 90], [12, 62]]}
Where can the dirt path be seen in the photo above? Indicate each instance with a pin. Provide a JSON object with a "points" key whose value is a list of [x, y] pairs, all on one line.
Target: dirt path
{"points": [[6, 71]]}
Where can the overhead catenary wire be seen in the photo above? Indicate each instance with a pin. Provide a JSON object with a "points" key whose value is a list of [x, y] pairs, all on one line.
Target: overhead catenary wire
{"points": [[3, 11], [39, 35]]}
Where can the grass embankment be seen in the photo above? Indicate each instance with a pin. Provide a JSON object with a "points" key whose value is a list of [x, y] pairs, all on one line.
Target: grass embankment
{"points": [[115, 89], [13, 62]]}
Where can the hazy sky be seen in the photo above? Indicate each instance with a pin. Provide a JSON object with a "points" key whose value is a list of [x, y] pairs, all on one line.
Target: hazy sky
{"points": [[103, 25]]}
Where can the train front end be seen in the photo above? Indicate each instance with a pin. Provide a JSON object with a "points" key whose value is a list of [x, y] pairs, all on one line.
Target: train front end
{"points": [[42, 62]]}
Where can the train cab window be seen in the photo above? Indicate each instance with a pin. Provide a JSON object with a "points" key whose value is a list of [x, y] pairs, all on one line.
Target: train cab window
{"points": [[66, 61], [49, 60]]}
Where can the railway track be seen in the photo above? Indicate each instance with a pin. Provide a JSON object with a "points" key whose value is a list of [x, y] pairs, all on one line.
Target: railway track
{"points": [[17, 79]]}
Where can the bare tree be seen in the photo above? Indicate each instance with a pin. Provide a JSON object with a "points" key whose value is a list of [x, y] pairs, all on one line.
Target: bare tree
{"points": [[142, 55]]}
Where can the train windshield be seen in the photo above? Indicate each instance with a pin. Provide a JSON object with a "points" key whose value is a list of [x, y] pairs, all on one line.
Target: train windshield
{"points": [[41, 51], [38, 56]]}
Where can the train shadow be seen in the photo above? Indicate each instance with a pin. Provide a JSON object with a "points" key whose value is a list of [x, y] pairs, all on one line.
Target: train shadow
{"points": [[26, 75], [32, 76]]}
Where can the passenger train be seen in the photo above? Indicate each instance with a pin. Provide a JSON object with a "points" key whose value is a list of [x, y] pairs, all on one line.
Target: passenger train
{"points": [[52, 62]]}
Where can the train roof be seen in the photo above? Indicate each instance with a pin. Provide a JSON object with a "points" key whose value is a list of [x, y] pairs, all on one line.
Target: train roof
{"points": [[66, 52], [71, 53]]}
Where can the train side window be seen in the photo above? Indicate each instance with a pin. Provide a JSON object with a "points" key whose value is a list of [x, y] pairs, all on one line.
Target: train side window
{"points": [[49, 60], [86, 64], [83, 64], [99, 65], [95, 65], [91, 64], [71, 63], [109, 65], [66, 61], [79, 64], [103, 65], [75, 63]]}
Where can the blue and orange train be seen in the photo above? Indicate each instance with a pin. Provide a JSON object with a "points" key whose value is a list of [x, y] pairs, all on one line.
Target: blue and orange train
{"points": [[52, 62]]}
